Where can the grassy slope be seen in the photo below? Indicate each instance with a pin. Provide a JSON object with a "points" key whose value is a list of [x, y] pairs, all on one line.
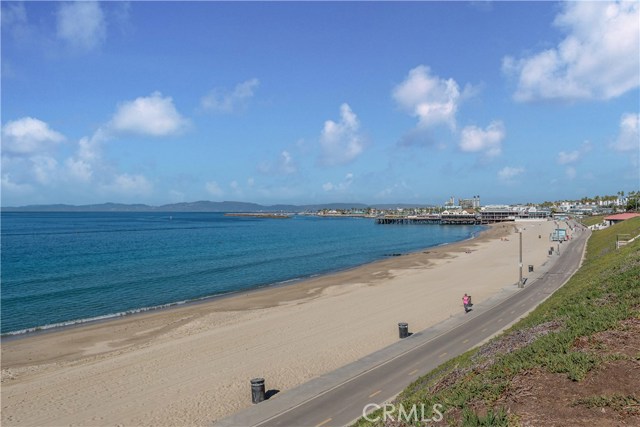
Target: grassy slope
{"points": [[603, 292], [592, 220]]}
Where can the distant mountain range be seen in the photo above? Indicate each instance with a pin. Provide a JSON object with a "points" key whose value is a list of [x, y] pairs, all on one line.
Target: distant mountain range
{"points": [[200, 206]]}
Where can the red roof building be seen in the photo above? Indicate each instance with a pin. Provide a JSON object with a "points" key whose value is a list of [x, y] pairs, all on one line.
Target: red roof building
{"points": [[620, 217]]}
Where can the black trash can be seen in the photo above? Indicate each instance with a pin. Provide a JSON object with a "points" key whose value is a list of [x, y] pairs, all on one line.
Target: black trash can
{"points": [[550, 252], [403, 329], [530, 268], [257, 390]]}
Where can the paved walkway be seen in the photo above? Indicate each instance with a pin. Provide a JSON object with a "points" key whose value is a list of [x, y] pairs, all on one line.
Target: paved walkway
{"points": [[339, 397]]}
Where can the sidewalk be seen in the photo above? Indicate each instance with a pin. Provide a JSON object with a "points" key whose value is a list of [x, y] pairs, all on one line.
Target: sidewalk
{"points": [[323, 384]]}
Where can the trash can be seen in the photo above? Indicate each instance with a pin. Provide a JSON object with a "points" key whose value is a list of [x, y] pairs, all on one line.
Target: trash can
{"points": [[530, 268], [257, 390], [403, 329], [550, 252]]}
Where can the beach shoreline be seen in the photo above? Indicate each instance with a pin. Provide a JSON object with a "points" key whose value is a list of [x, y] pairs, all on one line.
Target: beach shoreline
{"points": [[79, 323], [190, 365]]}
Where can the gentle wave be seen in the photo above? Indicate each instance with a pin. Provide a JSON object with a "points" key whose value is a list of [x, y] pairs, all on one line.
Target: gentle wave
{"points": [[99, 318], [145, 309]]}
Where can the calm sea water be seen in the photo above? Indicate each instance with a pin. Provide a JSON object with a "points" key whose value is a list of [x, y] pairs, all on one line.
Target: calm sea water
{"points": [[60, 268]]}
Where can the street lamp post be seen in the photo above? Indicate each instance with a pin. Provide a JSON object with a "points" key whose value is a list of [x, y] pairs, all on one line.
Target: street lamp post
{"points": [[520, 281]]}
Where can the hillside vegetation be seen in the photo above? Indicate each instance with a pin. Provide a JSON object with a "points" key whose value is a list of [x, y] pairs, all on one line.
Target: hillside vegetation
{"points": [[592, 220], [573, 361]]}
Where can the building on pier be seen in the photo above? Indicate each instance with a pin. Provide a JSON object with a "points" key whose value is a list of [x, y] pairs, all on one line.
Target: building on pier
{"points": [[491, 214], [462, 216]]}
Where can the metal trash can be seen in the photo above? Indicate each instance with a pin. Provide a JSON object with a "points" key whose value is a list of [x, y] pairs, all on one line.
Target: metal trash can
{"points": [[530, 268], [403, 329], [257, 390]]}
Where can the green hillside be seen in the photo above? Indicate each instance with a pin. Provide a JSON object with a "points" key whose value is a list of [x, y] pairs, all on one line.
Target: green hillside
{"points": [[575, 360]]}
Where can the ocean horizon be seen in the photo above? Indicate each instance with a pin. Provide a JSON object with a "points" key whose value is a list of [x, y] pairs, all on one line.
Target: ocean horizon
{"points": [[64, 268]]}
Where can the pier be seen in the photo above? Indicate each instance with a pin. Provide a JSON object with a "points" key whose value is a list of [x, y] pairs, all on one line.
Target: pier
{"points": [[449, 218], [408, 220]]}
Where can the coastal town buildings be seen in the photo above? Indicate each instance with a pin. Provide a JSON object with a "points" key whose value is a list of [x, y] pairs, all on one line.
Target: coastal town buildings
{"points": [[470, 211]]}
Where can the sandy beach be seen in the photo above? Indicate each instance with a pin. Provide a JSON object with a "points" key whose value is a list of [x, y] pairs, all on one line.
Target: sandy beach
{"points": [[191, 365]]}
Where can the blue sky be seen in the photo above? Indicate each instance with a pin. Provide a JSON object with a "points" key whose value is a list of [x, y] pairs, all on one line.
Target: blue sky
{"points": [[297, 102]]}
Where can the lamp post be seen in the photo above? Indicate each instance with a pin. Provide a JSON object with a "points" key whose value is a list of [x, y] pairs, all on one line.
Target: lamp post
{"points": [[520, 281]]}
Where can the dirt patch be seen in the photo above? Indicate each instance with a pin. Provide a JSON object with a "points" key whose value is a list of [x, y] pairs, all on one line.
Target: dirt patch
{"points": [[608, 396], [625, 340], [539, 398]]}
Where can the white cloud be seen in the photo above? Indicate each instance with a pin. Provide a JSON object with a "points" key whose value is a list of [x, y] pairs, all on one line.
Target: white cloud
{"points": [[571, 158], [44, 169], [89, 148], [29, 161], [287, 164], [565, 158], [341, 142], [129, 185], [508, 173], [487, 141], [284, 165], [341, 187], [227, 102], [27, 136], [14, 19], [13, 187], [327, 186], [85, 164], [574, 156], [236, 189], [629, 136], [81, 24], [79, 170], [153, 115], [429, 98], [598, 59], [214, 189]]}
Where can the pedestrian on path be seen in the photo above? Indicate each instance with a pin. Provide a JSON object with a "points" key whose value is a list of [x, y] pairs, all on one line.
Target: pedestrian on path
{"points": [[466, 300]]}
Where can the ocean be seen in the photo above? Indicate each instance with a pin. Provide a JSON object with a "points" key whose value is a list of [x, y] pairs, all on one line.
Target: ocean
{"points": [[65, 268]]}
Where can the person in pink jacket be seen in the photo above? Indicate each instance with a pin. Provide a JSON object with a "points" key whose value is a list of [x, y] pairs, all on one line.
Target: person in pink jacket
{"points": [[466, 301]]}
